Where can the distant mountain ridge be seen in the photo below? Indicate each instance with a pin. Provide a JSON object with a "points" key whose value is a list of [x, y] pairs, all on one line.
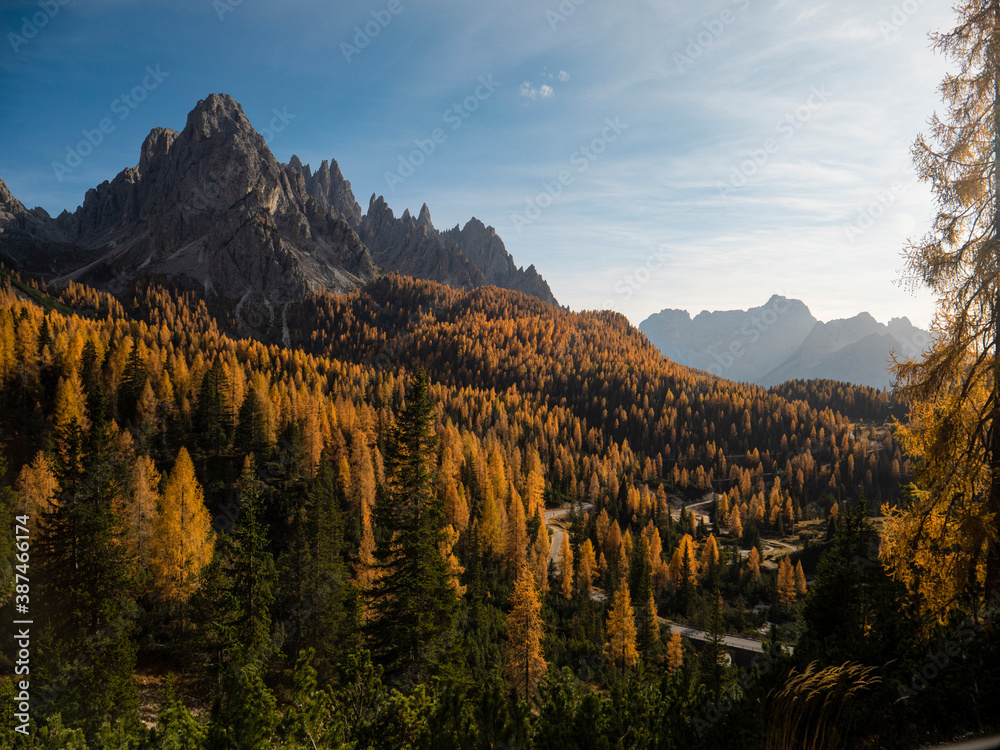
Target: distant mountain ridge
{"points": [[781, 341], [211, 208]]}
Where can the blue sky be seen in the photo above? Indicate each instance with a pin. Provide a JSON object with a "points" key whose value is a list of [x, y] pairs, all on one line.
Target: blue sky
{"points": [[641, 154]]}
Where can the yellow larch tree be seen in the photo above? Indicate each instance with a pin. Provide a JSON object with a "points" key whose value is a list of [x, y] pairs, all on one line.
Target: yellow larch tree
{"points": [[753, 563], [684, 562], [788, 512], [603, 524], [490, 526], [534, 491], [675, 651], [361, 487], [614, 549], [566, 567], [449, 536], [620, 630], [786, 582], [944, 545], [735, 522], [757, 510], [312, 440], [70, 403], [182, 543], [366, 568], [516, 538], [140, 509], [541, 551], [37, 486], [659, 569], [586, 569], [456, 506], [722, 507], [709, 556], [525, 662], [800, 579]]}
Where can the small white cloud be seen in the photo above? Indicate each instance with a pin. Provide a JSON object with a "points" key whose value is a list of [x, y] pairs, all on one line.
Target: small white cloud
{"points": [[544, 91], [563, 76]]}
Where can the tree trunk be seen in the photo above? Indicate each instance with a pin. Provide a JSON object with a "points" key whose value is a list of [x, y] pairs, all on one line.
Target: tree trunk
{"points": [[993, 549]]}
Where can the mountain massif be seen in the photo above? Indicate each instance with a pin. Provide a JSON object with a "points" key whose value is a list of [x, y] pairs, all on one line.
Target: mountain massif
{"points": [[211, 208], [781, 341]]}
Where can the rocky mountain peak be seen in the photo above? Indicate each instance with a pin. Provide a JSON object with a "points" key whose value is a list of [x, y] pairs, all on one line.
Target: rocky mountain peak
{"points": [[329, 189], [484, 248], [781, 340], [211, 207], [295, 162], [425, 217], [155, 148], [6, 198], [218, 114]]}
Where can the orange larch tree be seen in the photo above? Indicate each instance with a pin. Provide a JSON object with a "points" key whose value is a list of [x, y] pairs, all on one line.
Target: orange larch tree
{"points": [[182, 543], [525, 662]]}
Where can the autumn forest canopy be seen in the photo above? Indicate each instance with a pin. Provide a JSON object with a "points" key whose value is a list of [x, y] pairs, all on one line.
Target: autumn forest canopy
{"points": [[412, 515], [342, 539]]}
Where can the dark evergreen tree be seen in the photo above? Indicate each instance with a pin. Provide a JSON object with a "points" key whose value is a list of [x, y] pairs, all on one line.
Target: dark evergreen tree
{"points": [[245, 715], [133, 382], [90, 366], [250, 570], [176, 728], [87, 583], [251, 432], [647, 624], [416, 604], [318, 603], [853, 610], [212, 419]]}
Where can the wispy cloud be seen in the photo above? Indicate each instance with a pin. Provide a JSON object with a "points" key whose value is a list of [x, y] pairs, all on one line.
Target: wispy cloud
{"points": [[533, 92], [751, 65]]}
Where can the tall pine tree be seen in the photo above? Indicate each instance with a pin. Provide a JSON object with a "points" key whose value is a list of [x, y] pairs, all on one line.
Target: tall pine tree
{"points": [[524, 658], [413, 623]]}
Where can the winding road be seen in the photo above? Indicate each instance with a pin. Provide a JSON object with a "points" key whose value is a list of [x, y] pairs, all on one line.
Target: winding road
{"points": [[730, 641], [557, 531]]}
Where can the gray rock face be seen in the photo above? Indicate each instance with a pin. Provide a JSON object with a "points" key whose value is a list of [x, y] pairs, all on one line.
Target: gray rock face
{"points": [[483, 246], [413, 247], [781, 341], [209, 206], [463, 258], [330, 189]]}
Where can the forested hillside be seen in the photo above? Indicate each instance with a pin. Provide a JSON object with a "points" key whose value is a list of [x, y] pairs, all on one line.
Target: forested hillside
{"points": [[238, 544]]}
